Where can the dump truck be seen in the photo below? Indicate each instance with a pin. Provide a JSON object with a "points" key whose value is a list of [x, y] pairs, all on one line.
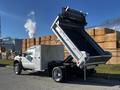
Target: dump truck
{"points": [[85, 53]]}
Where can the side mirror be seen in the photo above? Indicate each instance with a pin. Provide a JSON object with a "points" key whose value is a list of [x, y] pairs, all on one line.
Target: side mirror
{"points": [[20, 54], [24, 54]]}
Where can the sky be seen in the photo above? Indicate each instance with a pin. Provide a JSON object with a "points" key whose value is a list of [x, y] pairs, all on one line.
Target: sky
{"points": [[14, 14]]}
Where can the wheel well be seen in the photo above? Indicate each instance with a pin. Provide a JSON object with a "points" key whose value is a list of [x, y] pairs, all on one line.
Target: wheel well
{"points": [[53, 64], [16, 62]]}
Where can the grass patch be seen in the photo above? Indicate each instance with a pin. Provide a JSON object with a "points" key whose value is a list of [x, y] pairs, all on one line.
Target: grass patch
{"points": [[108, 69], [6, 62]]}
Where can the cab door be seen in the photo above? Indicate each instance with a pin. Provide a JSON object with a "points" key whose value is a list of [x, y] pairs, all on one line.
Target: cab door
{"points": [[27, 61]]}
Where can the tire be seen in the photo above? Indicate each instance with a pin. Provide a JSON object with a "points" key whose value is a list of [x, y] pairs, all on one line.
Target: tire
{"points": [[58, 74], [17, 68]]}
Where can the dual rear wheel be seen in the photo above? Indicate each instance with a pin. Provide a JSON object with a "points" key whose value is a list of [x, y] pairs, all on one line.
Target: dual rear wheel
{"points": [[58, 74]]}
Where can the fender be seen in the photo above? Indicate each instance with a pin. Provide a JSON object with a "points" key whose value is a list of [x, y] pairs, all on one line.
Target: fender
{"points": [[18, 59]]}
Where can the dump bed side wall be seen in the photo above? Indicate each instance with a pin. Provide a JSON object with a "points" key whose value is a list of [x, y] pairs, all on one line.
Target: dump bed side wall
{"points": [[78, 37], [77, 55]]}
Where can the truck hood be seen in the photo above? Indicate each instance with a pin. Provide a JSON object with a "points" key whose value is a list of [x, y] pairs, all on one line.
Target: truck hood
{"points": [[17, 57]]}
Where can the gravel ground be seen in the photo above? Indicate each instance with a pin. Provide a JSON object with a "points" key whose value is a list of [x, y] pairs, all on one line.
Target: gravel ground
{"points": [[26, 81]]}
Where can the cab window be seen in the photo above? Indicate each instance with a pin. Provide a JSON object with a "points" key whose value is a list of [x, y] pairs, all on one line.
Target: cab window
{"points": [[29, 56]]}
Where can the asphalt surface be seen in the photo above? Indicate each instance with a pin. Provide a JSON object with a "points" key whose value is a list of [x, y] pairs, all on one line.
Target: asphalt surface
{"points": [[40, 81]]}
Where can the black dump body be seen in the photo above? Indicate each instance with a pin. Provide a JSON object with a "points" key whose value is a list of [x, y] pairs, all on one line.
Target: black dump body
{"points": [[72, 22]]}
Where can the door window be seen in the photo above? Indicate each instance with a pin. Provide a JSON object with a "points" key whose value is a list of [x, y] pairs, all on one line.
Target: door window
{"points": [[29, 56]]}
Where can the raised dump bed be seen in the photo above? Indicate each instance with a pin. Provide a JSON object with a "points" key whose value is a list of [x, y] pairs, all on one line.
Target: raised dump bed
{"points": [[69, 28]]}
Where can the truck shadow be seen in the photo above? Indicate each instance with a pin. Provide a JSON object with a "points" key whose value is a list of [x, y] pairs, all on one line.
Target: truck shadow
{"points": [[3, 65], [97, 80], [44, 74]]}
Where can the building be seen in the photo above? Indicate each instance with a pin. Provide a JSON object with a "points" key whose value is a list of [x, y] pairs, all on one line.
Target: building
{"points": [[10, 45]]}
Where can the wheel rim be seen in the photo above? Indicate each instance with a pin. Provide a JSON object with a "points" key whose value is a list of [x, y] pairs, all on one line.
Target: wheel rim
{"points": [[57, 75], [16, 67]]}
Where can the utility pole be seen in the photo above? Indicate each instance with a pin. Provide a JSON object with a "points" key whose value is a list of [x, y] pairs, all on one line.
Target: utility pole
{"points": [[0, 29], [0, 40], [0, 34]]}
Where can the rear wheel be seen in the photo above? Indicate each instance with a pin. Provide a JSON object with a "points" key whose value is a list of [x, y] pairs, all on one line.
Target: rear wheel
{"points": [[17, 68], [58, 74]]}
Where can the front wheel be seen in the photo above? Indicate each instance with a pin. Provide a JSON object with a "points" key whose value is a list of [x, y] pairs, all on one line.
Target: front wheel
{"points": [[58, 74], [17, 68]]}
